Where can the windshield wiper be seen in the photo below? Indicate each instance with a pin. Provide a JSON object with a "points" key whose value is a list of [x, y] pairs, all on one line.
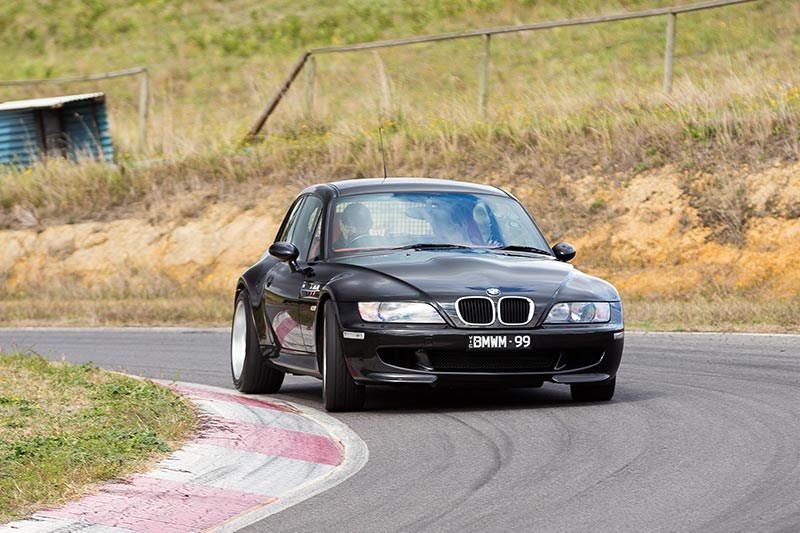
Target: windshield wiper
{"points": [[431, 246], [517, 248]]}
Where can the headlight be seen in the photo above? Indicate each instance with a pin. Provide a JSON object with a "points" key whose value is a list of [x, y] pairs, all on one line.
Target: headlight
{"points": [[579, 313], [399, 312]]}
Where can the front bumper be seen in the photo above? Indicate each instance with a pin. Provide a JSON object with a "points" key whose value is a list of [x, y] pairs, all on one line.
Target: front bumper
{"points": [[438, 355]]}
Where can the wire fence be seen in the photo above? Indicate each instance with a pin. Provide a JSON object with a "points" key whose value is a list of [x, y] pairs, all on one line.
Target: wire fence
{"points": [[306, 60]]}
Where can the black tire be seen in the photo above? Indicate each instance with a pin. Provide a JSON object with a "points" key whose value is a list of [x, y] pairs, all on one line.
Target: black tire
{"points": [[249, 369], [593, 392], [340, 392]]}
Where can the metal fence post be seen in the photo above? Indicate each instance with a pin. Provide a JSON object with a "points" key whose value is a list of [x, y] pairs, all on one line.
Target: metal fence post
{"points": [[311, 72], [276, 98], [144, 92], [483, 98], [669, 52]]}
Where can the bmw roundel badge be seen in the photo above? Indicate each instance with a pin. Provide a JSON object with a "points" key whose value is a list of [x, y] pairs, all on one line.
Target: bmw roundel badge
{"points": [[493, 291]]}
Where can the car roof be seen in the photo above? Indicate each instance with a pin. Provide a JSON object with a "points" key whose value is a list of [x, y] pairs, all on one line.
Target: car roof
{"points": [[376, 185]]}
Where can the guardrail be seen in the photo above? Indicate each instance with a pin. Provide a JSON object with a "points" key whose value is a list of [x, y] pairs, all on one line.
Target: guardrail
{"points": [[486, 33], [144, 91]]}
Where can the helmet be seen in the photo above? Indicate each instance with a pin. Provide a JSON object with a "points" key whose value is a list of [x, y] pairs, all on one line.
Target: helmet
{"points": [[357, 216]]}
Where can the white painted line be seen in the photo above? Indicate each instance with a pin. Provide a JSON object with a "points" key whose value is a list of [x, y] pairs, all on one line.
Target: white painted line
{"points": [[237, 470], [355, 457], [118, 329], [711, 333], [46, 524]]}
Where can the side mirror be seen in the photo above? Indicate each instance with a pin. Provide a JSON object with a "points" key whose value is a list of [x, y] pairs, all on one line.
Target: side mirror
{"points": [[564, 251], [285, 252]]}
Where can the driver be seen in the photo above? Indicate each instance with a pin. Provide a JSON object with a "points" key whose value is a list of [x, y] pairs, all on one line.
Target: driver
{"points": [[355, 224]]}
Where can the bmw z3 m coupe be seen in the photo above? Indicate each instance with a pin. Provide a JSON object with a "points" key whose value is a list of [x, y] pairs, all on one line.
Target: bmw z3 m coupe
{"points": [[420, 282]]}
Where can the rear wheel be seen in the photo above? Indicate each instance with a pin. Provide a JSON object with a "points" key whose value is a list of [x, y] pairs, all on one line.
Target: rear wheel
{"points": [[340, 392], [593, 392], [249, 369]]}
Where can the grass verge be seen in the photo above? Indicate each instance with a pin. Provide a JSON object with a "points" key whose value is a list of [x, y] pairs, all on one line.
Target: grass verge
{"points": [[721, 313], [724, 314], [65, 427], [211, 310]]}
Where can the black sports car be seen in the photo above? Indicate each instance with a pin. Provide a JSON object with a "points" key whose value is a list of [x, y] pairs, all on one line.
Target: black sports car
{"points": [[420, 281]]}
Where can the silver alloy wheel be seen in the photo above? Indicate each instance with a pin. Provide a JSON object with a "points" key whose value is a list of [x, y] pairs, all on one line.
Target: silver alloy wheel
{"points": [[238, 340]]}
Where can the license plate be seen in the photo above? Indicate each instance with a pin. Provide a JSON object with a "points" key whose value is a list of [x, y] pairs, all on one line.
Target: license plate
{"points": [[498, 342]]}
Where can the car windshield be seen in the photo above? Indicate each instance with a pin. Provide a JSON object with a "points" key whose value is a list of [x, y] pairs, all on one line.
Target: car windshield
{"points": [[445, 220]]}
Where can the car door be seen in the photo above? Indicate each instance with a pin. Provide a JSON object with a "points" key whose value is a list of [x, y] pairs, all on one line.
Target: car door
{"points": [[281, 290], [285, 288]]}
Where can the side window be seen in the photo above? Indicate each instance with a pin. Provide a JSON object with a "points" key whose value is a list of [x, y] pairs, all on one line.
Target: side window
{"points": [[313, 249], [306, 226], [285, 233]]}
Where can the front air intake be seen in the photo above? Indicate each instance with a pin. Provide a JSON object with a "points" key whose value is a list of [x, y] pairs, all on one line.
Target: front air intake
{"points": [[476, 311], [515, 311]]}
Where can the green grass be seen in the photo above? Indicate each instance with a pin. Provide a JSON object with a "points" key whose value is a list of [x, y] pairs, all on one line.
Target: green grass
{"points": [[569, 101], [215, 64], [65, 427]]}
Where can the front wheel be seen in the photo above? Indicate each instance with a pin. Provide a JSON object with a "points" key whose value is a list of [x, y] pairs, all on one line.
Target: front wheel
{"points": [[593, 392], [249, 370], [340, 392]]}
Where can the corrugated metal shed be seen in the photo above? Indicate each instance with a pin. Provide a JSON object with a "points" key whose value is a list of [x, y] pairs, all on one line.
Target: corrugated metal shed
{"points": [[74, 126], [19, 142]]}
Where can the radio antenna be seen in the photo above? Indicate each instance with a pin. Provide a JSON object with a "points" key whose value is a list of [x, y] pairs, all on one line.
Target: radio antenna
{"points": [[383, 153]]}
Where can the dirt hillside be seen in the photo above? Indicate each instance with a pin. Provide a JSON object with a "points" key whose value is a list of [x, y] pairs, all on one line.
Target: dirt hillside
{"points": [[654, 235]]}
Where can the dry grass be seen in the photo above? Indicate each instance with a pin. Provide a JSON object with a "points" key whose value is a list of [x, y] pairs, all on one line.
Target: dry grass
{"points": [[712, 313], [118, 299], [71, 311], [694, 131], [728, 313]]}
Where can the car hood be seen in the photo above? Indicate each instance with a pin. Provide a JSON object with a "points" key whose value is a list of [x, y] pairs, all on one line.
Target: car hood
{"points": [[445, 275]]}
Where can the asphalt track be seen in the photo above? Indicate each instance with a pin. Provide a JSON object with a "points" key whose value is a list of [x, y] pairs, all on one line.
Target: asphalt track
{"points": [[703, 435]]}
